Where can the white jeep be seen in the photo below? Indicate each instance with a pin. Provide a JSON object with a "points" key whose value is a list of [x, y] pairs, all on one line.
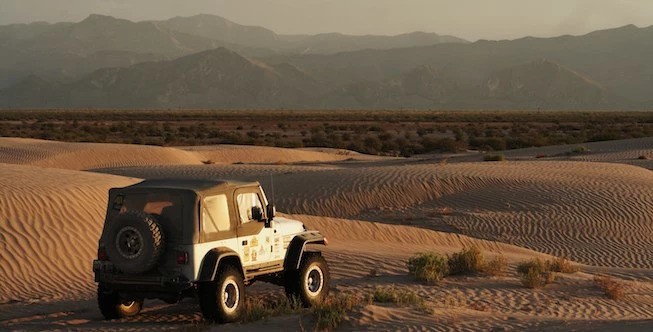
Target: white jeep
{"points": [[173, 238]]}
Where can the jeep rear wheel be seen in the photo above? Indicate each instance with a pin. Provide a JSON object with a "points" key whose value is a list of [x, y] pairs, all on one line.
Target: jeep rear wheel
{"points": [[135, 242], [309, 284], [112, 306], [223, 300]]}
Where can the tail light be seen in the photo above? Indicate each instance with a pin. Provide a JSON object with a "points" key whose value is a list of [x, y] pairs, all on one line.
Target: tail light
{"points": [[102, 254], [182, 258]]}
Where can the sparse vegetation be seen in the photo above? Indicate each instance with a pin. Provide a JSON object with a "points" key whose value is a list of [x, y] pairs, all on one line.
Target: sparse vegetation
{"points": [[263, 308], [332, 311], [563, 265], [429, 267], [467, 261], [497, 266], [494, 157], [535, 273], [375, 132], [393, 294], [613, 288], [328, 315], [580, 150]]}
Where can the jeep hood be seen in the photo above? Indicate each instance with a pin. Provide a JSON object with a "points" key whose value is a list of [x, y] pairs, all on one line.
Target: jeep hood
{"points": [[287, 226]]}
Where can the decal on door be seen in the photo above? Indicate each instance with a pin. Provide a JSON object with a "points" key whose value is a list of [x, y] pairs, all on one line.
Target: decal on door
{"points": [[246, 254]]}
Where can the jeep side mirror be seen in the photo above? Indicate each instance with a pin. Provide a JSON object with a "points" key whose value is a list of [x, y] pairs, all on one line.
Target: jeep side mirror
{"points": [[257, 213], [270, 211]]}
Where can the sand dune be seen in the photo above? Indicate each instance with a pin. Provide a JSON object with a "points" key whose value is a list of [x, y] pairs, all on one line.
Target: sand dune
{"points": [[627, 151], [229, 154], [83, 156], [595, 213], [68, 206], [50, 221], [376, 213]]}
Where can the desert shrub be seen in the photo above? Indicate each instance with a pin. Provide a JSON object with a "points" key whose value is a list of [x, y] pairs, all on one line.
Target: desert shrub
{"points": [[578, 150], [392, 294], [496, 266], [466, 261], [563, 265], [494, 157], [330, 313], [263, 308], [429, 267], [535, 273], [611, 287]]}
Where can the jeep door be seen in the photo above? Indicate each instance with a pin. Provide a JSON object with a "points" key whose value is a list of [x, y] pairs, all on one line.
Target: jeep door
{"points": [[254, 239]]}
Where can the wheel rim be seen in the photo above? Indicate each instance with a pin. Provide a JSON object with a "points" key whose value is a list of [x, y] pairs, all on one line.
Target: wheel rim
{"points": [[314, 281], [129, 242], [230, 296], [128, 304]]}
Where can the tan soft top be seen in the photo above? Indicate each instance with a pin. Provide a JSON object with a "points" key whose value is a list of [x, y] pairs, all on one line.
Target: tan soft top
{"points": [[198, 186]]}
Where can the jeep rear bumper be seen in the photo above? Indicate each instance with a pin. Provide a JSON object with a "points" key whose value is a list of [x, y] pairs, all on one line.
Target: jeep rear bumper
{"points": [[147, 286]]}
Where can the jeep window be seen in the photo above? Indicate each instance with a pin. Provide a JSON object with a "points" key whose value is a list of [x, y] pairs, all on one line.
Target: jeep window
{"points": [[215, 214], [167, 208], [246, 201]]}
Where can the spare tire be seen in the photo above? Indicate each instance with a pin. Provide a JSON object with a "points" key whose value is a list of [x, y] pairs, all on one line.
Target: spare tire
{"points": [[134, 242]]}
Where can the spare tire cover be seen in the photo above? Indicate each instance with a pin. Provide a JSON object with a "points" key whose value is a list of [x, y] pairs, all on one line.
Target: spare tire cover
{"points": [[134, 242]]}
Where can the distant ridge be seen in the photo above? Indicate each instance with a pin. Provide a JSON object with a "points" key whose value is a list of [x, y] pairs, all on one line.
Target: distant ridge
{"points": [[206, 61], [214, 77]]}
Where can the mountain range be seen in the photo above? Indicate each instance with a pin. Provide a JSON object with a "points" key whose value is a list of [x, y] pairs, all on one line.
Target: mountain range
{"points": [[206, 61]]}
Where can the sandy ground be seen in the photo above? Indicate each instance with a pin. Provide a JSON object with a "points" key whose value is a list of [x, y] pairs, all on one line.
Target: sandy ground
{"points": [[593, 208]]}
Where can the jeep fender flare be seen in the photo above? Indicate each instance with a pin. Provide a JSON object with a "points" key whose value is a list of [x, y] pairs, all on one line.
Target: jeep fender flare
{"points": [[214, 259], [297, 247]]}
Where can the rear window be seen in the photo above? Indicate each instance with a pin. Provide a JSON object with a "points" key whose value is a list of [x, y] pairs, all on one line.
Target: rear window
{"points": [[167, 208]]}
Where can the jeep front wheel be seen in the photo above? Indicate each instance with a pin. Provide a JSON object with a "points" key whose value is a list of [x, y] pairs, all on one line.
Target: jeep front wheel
{"points": [[223, 300], [309, 284], [112, 306]]}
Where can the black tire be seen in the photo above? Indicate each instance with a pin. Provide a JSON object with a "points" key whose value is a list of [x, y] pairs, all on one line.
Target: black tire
{"points": [[134, 242], [309, 284], [112, 306], [223, 300]]}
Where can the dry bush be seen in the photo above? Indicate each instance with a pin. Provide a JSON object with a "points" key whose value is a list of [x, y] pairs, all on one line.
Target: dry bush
{"points": [[580, 150], [466, 261], [496, 266], [392, 294], [613, 288], [330, 313], [429, 267], [263, 308], [494, 157], [535, 273], [563, 265]]}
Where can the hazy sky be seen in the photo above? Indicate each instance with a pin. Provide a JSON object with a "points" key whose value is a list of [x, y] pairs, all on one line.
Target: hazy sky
{"points": [[470, 19]]}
